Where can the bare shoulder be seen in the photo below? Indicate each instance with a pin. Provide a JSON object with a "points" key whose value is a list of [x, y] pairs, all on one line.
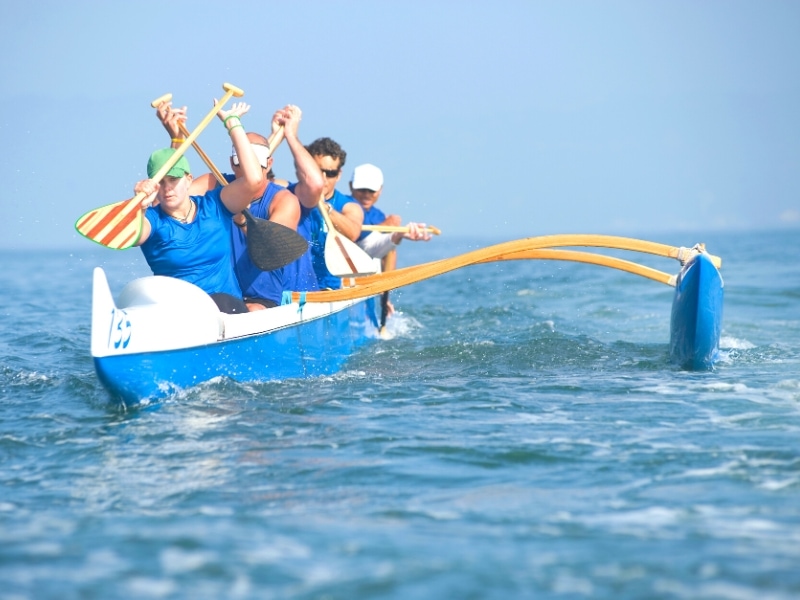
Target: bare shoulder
{"points": [[202, 184], [285, 196], [285, 209]]}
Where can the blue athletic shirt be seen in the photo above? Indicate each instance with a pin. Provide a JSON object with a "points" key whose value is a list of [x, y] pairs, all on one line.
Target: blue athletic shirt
{"points": [[198, 252], [254, 282], [300, 276], [317, 243]]}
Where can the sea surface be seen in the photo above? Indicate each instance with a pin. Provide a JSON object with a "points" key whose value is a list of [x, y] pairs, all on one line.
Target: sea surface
{"points": [[521, 435]]}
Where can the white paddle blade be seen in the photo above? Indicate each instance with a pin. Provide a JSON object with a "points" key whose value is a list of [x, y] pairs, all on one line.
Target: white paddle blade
{"points": [[345, 259]]}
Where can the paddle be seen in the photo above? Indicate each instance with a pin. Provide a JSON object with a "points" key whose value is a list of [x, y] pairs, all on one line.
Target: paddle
{"points": [[270, 245], [343, 258], [384, 312], [119, 225], [398, 229]]}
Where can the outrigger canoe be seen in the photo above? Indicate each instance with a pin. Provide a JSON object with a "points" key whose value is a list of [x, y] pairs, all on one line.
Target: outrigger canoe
{"points": [[163, 334]]}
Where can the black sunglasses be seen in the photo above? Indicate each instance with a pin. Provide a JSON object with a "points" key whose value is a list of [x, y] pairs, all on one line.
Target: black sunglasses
{"points": [[331, 173]]}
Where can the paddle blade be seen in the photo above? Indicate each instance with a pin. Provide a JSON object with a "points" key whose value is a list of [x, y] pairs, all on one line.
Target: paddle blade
{"points": [[116, 226], [272, 245], [345, 259]]}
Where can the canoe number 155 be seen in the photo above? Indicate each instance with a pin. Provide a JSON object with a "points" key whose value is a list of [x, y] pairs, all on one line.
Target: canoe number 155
{"points": [[120, 333]]}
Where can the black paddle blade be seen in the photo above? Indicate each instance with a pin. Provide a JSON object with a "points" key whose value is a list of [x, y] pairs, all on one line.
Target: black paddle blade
{"points": [[272, 245]]}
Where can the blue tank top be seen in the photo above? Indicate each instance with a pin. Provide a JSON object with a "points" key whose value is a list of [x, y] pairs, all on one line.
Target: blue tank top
{"points": [[254, 282], [299, 276], [317, 243], [198, 252]]}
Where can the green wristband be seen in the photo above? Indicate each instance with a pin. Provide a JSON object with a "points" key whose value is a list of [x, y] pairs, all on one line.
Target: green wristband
{"points": [[235, 126], [225, 120]]}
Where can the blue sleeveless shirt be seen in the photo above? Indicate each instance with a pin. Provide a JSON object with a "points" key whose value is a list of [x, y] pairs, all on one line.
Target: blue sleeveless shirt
{"points": [[198, 252], [319, 235], [254, 282], [299, 276]]}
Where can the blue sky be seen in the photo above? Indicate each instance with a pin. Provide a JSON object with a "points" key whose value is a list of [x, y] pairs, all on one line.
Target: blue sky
{"points": [[501, 119]]}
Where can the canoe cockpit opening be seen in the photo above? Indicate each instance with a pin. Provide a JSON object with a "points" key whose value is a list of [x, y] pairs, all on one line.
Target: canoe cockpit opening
{"points": [[182, 302]]}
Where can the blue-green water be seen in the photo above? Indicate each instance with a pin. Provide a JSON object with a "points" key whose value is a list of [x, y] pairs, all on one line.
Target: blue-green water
{"points": [[523, 435]]}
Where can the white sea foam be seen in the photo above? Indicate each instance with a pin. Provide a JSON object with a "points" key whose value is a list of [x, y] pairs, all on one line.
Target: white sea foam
{"points": [[722, 386], [731, 343], [175, 560], [724, 469], [774, 485], [150, 587], [216, 511], [401, 325], [27, 377], [277, 549], [653, 517]]}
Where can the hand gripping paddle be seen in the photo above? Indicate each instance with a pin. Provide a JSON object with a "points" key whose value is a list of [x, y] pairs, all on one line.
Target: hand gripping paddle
{"points": [[119, 225]]}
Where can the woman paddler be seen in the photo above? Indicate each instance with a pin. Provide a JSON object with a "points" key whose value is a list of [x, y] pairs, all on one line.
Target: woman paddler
{"points": [[188, 237]]}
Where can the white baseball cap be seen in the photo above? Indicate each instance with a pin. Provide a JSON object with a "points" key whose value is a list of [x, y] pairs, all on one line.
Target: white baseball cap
{"points": [[367, 177]]}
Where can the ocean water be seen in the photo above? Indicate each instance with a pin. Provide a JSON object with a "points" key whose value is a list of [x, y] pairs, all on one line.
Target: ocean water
{"points": [[522, 435]]}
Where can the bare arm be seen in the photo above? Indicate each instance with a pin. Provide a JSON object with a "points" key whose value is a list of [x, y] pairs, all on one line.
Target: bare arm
{"points": [[349, 221], [238, 194], [309, 177]]}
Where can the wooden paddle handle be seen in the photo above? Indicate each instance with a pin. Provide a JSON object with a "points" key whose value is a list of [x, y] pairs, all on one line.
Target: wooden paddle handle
{"points": [[165, 98], [275, 140], [230, 90], [323, 210], [398, 229]]}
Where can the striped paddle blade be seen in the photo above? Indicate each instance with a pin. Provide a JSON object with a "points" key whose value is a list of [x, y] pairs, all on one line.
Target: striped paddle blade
{"points": [[116, 226]]}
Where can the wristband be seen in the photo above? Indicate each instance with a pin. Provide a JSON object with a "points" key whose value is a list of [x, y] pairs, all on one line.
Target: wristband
{"points": [[225, 120], [178, 140], [235, 126]]}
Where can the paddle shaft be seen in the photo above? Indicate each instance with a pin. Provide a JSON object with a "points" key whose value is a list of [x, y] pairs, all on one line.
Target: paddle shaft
{"points": [[398, 229], [336, 236]]}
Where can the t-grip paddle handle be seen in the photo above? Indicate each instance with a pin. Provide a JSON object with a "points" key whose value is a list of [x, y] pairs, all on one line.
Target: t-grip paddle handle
{"points": [[161, 99]]}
